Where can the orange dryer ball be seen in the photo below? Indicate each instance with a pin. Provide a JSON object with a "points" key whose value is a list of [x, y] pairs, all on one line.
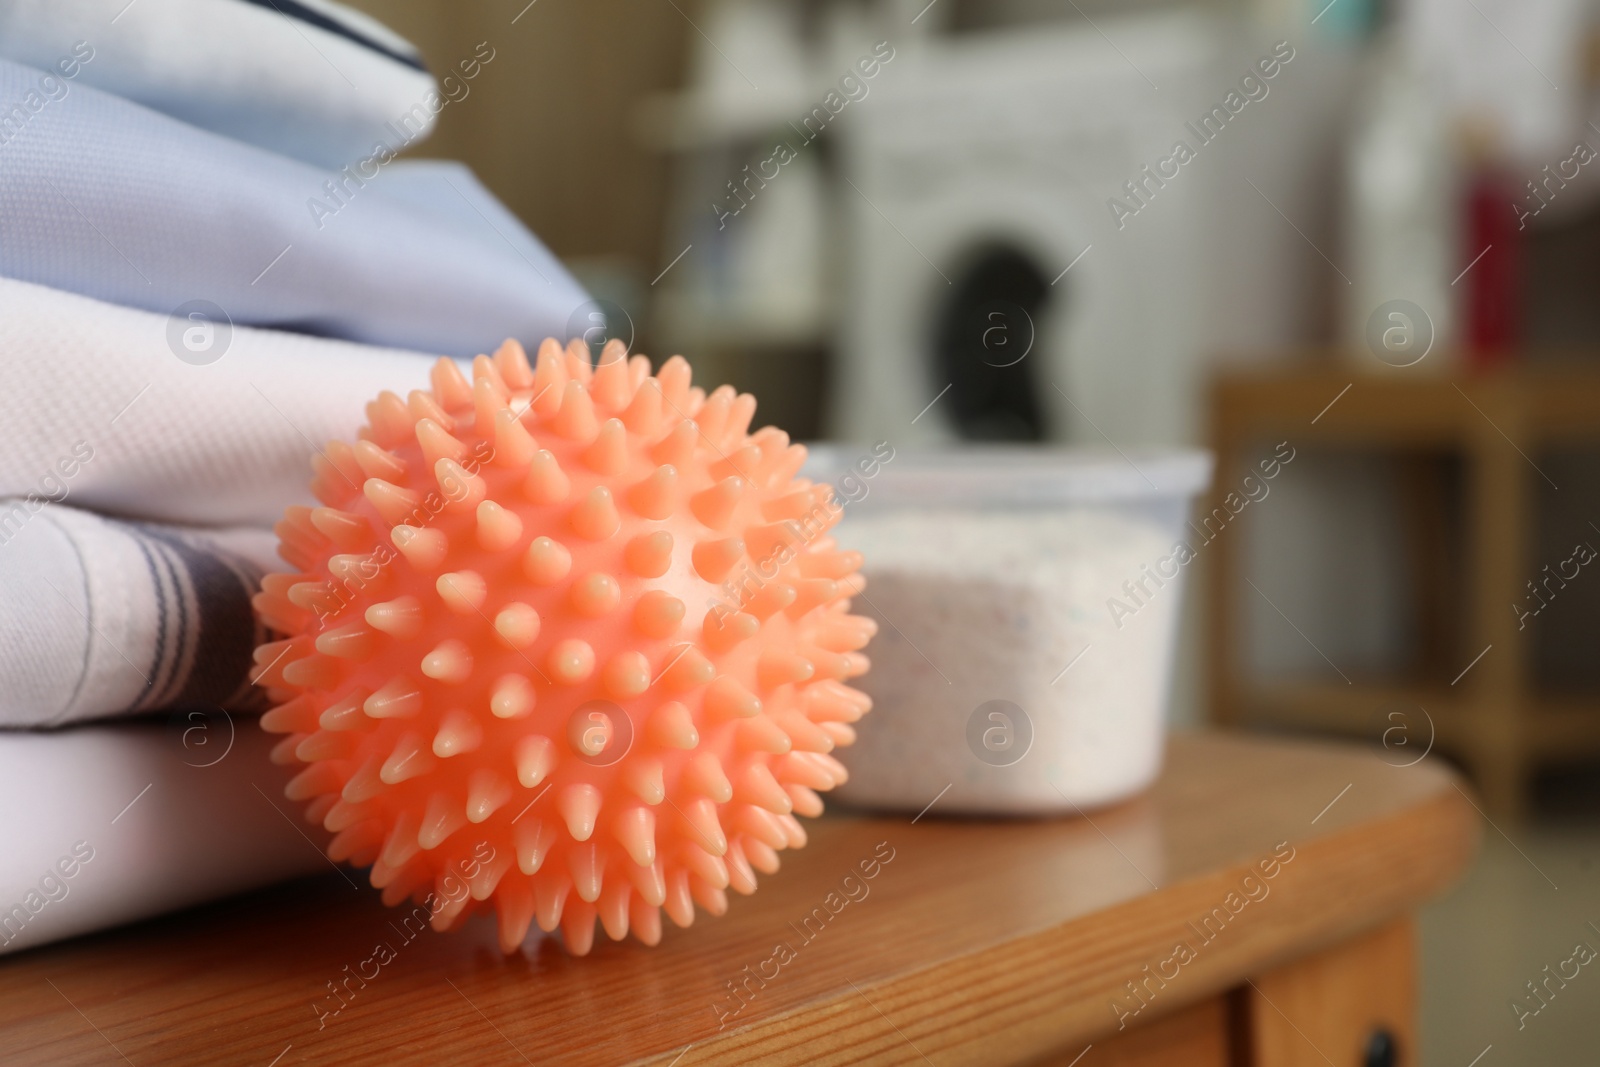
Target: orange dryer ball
{"points": [[565, 640]]}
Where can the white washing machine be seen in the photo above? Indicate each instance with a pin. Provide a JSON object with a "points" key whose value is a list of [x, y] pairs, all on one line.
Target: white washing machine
{"points": [[991, 293]]}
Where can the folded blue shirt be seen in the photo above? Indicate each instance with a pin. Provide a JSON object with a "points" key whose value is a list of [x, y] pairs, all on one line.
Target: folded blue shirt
{"points": [[106, 198], [313, 80]]}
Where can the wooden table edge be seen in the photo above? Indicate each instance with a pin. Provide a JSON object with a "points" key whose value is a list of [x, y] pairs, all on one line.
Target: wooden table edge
{"points": [[1053, 988]]}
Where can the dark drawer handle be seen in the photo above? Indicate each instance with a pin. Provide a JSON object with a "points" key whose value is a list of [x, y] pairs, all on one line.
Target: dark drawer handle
{"points": [[1381, 1050]]}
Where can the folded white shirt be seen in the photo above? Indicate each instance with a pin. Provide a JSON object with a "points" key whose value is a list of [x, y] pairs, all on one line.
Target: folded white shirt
{"points": [[224, 443], [108, 824], [310, 79]]}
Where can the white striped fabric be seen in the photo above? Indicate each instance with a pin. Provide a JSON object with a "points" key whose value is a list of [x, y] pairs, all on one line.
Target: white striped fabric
{"points": [[100, 617]]}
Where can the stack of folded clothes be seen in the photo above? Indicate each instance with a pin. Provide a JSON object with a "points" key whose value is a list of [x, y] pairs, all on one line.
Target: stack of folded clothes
{"points": [[210, 259]]}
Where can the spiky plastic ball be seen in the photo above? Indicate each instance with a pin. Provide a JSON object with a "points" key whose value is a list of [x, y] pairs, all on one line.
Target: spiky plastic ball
{"points": [[567, 642]]}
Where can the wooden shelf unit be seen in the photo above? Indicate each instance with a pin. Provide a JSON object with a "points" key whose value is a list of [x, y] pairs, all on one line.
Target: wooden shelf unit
{"points": [[1497, 423]]}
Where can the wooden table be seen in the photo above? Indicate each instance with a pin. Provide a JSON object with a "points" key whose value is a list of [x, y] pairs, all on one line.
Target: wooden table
{"points": [[1471, 682], [976, 942]]}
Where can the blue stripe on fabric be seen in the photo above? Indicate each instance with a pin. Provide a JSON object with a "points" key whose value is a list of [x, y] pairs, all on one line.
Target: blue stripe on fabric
{"points": [[312, 17]]}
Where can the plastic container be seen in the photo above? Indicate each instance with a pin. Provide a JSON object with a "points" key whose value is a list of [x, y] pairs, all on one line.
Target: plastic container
{"points": [[1028, 602]]}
